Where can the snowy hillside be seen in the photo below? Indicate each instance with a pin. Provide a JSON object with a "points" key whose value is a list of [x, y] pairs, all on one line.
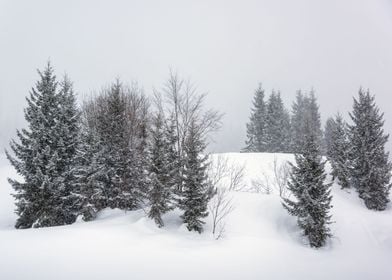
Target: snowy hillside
{"points": [[261, 240]]}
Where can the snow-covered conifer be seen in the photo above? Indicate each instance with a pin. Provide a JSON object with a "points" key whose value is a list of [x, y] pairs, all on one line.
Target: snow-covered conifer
{"points": [[45, 155], [312, 195], [195, 189], [338, 154], [277, 129], [370, 165], [305, 121], [162, 179], [255, 129], [329, 131]]}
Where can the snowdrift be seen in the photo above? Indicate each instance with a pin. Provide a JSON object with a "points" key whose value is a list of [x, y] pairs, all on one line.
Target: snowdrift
{"points": [[261, 240]]}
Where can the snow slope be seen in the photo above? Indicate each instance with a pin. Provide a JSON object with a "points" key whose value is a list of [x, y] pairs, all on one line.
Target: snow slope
{"points": [[261, 242]]}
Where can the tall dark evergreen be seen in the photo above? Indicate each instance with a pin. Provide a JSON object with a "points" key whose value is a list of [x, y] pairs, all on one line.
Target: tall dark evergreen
{"points": [[162, 178], [338, 153], [195, 189], [255, 129], [90, 190], [370, 165], [45, 155], [118, 160], [277, 130], [312, 195]]}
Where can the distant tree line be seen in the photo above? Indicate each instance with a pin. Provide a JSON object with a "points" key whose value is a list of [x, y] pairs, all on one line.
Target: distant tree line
{"points": [[119, 150], [355, 151]]}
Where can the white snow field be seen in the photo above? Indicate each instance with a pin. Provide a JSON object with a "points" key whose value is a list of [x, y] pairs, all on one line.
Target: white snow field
{"points": [[261, 242]]}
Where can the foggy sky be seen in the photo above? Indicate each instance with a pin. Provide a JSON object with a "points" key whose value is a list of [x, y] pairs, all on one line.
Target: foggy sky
{"points": [[225, 47]]}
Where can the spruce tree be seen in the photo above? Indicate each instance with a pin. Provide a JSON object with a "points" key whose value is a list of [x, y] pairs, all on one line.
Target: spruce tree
{"points": [[255, 129], [370, 165], [297, 122], [90, 190], [312, 195], [119, 161], [44, 156], [305, 121], [195, 189], [174, 159], [161, 189], [277, 130], [68, 130], [339, 153], [329, 130]]}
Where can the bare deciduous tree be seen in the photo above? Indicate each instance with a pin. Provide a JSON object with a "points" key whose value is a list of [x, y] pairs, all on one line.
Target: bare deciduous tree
{"points": [[236, 175], [186, 105], [275, 181], [220, 207]]}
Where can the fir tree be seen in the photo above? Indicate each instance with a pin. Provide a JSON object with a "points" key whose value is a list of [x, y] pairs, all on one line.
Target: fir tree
{"points": [[255, 129], [370, 165], [330, 127], [277, 130], [195, 190], [118, 162], [45, 155], [297, 122], [305, 121], [339, 153], [90, 190], [67, 132], [312, 195], [174, 159], [161, 177]]}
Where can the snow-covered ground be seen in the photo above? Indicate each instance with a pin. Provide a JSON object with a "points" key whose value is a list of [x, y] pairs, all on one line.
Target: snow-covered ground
{"points": [[261, 241]]}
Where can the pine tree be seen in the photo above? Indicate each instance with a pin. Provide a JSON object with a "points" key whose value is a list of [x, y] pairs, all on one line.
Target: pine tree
{"points": [[313, 118], [277, 129], [174, 159], [161, 176], [195, 191], [305, 121], [119, 161], [312, 195], [330, 127], [256, 141], [67, 132], [297, 122], [339, 153], [370, 165], [90, 189], [45, 155]]}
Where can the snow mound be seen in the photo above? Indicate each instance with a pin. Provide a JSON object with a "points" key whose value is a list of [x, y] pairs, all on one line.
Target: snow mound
{"points": [[261, 241]]}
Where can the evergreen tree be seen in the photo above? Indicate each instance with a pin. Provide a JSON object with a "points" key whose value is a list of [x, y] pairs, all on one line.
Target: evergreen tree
{"points": [[297, 122], [45, 155], [370, 165], [118, 162], [305, 121], [330, 127], [161, 177], [277, 130], [90, 190], [339, 153], [255, 129], [312, 195], [195, 190], [174, 159], [313, 118]]}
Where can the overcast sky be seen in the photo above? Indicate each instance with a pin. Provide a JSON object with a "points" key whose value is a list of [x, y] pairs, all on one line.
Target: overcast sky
{"points": [[225, 47]]}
